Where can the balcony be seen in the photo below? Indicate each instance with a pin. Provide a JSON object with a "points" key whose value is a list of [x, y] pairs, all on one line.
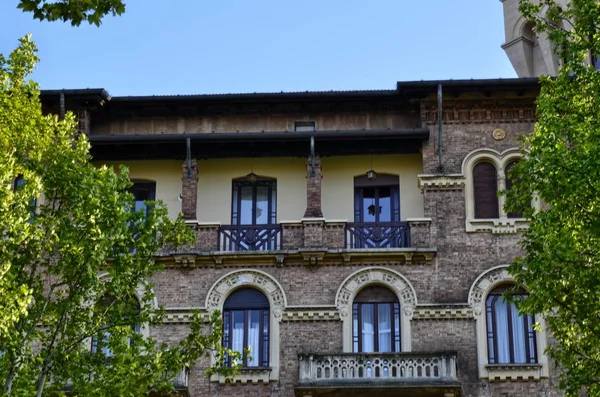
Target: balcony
{"points": [[250, 238], [377, 235], [416, 374]]}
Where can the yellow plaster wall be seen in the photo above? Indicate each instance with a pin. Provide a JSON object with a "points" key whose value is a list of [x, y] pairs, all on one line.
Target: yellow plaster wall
{"points": [[338, 183], [167, 175], [215, 179]]}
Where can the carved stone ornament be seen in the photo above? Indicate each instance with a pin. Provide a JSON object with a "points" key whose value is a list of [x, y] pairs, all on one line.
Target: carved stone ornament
{"points": [[484, 284], [499, 134], [254, 278], [375, 275]]}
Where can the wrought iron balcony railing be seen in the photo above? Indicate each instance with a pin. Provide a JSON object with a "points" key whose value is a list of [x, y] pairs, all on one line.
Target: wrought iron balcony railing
{"points": [[250, 237], [377, 235], [426, 368]]}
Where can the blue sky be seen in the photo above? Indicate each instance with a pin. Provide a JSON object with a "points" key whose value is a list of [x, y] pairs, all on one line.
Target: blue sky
{"points": [[221, 46]]}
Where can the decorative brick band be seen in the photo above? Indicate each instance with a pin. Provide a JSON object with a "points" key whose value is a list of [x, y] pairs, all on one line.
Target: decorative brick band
{"points": [[311, 314], [443, 312]]}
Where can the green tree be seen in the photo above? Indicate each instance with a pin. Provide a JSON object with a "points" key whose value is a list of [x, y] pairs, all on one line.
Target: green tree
{"points": [[561, 167], [74, 11], [74, 259]]}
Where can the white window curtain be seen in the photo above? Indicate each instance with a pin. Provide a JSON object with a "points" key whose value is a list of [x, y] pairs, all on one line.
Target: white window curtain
{"points": [[385, 327], [502, 335], [368, 330], [237, 336], [253, 337], [519, 338]]}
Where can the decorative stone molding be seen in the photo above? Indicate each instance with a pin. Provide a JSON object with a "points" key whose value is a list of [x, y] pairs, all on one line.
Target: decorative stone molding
{"points": [[265, 283], [514, 372], [308, 313], [441, 182], [313, 258], [185, 261], [182, 315], [442, 312], [478, 293], [376, 276], [250, 375], [503, 224]]}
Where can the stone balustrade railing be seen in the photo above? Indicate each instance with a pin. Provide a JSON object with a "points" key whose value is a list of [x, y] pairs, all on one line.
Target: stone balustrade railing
{"points": [[377, 367]]}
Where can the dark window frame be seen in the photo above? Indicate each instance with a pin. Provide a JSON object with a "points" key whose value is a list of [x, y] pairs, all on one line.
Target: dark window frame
{"points": [[485, 191], [255, 183], [376, 296], [361, 183], [492, 336], [246, 303], [143, 188]]}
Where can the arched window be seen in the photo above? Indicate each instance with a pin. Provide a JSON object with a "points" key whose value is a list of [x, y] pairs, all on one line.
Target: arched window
{"points": [[246, 325], [376, 321], [115, 311], [485, 190], [510, 335], [510, 182]]}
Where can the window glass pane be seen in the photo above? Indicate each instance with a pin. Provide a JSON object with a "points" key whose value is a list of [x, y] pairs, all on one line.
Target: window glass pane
{"points": [[385, 204], [384, 319], [368, 329], [254, 337], [369, 206], [502, 336], [262, 205], [245, 214], [237, 337]]}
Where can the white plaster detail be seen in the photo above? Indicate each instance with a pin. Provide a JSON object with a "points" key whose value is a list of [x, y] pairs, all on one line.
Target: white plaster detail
{"points": [[265, 283], [360, 279], [478, 293]]}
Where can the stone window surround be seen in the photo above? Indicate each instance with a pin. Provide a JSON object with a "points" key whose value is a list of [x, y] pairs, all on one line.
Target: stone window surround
{"points": [[360, 279], [266, 284], [478, 293], [500, 160]]}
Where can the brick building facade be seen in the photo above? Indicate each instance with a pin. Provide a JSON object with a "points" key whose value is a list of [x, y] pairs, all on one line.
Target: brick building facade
{"points": [[341, 236]]}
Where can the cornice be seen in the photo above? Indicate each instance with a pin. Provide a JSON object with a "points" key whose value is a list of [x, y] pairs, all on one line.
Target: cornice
{"points": [[313, 258]]}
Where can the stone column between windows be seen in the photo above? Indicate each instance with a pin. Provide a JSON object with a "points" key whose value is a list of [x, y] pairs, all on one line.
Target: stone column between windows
{"points": [[189, 190], [313, 189]]}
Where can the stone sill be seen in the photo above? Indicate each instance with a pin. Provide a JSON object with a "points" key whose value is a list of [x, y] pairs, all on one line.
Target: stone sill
{"points": [[247, 375], [512, 372], [497, 226]]}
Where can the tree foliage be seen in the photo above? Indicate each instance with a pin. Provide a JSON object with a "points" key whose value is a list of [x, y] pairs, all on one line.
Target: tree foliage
{"points": [[73, 11], [561, 166], [75, 259]]}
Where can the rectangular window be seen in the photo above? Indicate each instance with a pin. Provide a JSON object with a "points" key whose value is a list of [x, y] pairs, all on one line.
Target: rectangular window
{"points": [[305, 126], [143, 191]]}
